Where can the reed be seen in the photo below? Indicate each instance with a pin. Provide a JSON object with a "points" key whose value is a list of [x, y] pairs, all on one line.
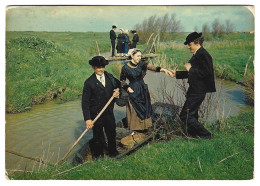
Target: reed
{"points": [[115, 69], [211, 109]]}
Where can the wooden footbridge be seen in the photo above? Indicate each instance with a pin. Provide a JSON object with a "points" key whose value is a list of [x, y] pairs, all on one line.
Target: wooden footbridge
{"points": [[124, 58]]}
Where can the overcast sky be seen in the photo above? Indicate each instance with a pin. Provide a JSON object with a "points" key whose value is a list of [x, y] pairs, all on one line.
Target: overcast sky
{"points": [[101, 18]]}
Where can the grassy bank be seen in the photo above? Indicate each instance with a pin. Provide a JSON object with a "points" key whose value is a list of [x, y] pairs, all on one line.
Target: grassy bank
{"points": [[230, 55], [42, 66], [228, 156]]}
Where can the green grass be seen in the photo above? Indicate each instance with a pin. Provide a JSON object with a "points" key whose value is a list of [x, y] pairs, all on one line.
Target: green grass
{"points": [[228, 156], [82, 43], [42, 66], [230, 55]]}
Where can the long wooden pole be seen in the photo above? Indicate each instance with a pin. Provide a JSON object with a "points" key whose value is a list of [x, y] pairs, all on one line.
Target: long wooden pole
{"points": [[31, 158], [101, 112]]}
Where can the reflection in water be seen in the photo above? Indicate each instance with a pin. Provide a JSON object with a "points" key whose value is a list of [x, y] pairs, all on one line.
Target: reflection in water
{"points": [[48, 130]]}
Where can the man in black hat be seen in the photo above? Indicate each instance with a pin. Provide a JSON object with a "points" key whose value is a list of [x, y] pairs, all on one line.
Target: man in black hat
{"points": [[113, 39], [135, 39], [97, 91], [200, 74]]}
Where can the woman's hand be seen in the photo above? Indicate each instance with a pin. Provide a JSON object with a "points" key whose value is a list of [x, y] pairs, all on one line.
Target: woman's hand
{"points": [[168, 72], [130, 90], [173, 73]]}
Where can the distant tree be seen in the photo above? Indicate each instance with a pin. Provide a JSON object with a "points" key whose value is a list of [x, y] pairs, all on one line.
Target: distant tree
{"points": [[205, 28], [151, 24], [163, 25], [206, 31], [217, 29], [229, 26], [174, 24]]}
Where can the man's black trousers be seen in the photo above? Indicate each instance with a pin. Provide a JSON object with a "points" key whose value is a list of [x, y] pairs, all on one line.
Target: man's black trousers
{"points": [[113, 43], [97, 144], [189, 116], [133, 45]]}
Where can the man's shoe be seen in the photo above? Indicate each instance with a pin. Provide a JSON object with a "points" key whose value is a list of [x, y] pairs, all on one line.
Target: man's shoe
{"points": [[113, 154]]}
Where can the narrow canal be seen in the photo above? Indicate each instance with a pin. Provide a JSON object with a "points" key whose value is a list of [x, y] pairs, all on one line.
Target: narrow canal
{"points": [[49, 129]]}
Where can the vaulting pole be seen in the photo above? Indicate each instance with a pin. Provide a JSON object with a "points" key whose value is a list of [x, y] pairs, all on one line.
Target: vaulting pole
{"points": [[101, 112], [28, 157]]}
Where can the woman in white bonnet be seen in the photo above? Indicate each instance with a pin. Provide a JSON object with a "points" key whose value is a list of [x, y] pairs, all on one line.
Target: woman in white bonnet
{"points": [[138, 109]]}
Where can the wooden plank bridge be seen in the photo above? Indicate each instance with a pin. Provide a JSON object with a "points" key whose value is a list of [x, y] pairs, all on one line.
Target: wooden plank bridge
{"points": [[122, 58]]}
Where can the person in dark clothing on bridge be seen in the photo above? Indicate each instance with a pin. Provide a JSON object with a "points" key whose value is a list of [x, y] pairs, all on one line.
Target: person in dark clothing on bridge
{"points": [[121, 42], [135, 39], [113, 39], [200, 74], [127, 42]]}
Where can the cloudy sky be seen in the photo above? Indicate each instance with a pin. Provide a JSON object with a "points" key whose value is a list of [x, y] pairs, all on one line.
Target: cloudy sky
{"points": [[101, 18]]}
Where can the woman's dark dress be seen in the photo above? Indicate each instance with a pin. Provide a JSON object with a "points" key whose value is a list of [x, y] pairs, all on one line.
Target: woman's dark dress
{"points": [[140, 99], [121, 43], [126, 43]]}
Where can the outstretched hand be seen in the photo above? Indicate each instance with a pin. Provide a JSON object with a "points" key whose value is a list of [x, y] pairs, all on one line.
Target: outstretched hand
{"points": [[173, 72], [170, 73]]}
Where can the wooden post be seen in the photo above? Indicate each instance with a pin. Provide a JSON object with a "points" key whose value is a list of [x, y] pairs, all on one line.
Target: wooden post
{"points": [[153, 44], [98, 52], [149, 39], [247, 65], [158, 41]]}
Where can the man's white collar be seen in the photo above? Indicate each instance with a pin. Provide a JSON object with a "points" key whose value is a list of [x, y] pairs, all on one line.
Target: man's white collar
{"points": [[98, 76]]}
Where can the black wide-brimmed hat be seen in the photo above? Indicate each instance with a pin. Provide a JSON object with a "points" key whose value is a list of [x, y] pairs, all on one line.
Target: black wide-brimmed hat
{"points": [[133, 31], [191, 37], [98, 61], [114, 26]]}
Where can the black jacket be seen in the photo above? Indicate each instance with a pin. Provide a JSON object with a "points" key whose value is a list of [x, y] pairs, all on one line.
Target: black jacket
{"points": [[95, 95], [112, 35], [201, 74], [135, 38]]}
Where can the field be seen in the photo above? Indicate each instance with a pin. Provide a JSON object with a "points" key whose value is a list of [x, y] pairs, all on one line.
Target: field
{"points": [[42, 66]]}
